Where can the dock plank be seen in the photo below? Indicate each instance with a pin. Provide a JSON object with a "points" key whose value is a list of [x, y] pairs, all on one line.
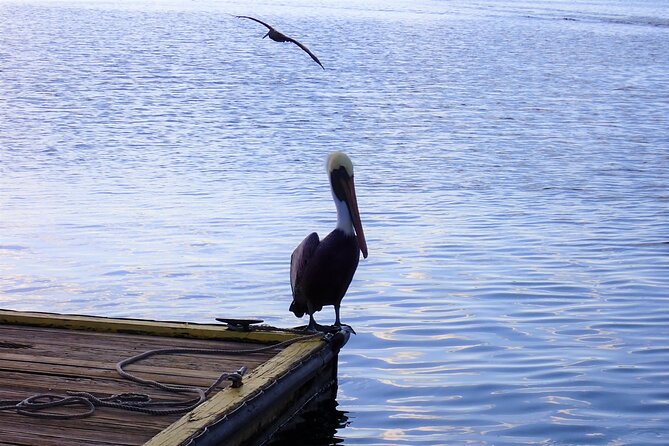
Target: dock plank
{"points": [[137, 326], [196, 372]]}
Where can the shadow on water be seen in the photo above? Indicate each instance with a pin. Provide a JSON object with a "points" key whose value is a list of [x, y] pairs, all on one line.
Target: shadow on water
{"points": [[317, 424]]}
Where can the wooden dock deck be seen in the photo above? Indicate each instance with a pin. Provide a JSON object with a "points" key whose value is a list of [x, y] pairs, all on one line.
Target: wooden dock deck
{"points": [[57, 354]]}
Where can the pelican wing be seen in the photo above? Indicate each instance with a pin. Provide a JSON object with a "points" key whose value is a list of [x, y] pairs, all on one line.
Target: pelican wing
{"points": [[300, 259], [306, 50], [255, 20]]}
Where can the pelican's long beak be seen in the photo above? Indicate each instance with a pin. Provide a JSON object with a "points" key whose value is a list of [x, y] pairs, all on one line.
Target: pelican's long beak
{"points": [[352, 204]]}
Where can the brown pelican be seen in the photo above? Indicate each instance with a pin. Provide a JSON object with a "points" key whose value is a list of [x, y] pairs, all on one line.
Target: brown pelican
{"points": [[280, 37], [321, 271]]}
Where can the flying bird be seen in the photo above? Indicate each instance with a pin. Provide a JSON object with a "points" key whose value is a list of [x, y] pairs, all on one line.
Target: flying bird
{"points": [[280, 37], [322, 270]]}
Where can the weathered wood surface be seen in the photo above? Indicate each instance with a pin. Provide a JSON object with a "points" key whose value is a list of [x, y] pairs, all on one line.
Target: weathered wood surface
{"points": [[41, 359]]}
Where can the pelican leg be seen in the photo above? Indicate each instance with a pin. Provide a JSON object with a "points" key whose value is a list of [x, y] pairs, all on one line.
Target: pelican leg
{"points": [[313, 326], [338, 322]]}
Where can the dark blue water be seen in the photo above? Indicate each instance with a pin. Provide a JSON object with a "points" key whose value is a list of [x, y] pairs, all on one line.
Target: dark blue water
{"points": [[161, 160]]}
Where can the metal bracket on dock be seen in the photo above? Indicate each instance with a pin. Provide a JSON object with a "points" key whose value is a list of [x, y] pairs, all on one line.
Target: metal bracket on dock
{"points": [[236, 378], [239, 324]]}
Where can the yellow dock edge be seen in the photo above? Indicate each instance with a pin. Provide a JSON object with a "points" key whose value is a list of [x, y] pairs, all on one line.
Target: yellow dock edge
{"points": [[140, 326]]}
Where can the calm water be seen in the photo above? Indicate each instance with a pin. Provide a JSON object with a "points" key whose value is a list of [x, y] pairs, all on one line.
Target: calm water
{"points": [[161, 160]]}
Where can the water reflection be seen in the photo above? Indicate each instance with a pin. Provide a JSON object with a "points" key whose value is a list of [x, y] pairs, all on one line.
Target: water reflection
{"points": [[318, 425]]}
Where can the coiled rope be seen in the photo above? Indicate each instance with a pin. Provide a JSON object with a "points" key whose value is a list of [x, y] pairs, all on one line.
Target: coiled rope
{"points": [[85, 404]]}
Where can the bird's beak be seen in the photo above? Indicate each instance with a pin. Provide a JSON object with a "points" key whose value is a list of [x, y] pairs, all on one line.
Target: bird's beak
{"points": [[352, 203], [266, 35]]}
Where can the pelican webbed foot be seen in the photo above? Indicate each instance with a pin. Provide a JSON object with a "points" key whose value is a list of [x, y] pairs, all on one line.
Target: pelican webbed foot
{"points": [[316, 327]]}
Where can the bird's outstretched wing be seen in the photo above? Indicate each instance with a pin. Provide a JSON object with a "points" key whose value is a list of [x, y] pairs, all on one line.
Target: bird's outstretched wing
{"points": [[284, 38], [306, 50], [255, 20]]}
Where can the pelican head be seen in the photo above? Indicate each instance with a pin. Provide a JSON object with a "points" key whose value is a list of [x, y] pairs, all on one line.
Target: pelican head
{"points": [[340, 170]]}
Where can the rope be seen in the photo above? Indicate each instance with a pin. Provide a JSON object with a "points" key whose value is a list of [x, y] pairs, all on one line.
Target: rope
{"points": [[35, 405]]}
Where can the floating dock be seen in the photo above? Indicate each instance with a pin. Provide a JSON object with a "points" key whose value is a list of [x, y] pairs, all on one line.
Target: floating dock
{"points": [[269, 376]]}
